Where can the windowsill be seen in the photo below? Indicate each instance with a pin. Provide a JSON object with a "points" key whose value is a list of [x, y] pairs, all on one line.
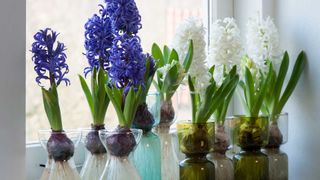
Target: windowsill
{"points": [[36, 158]]}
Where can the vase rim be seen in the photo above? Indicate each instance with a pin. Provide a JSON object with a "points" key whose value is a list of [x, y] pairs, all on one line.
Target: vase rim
{"points": [[190, 122], [64, 131], [245, 116], [115, 131]]}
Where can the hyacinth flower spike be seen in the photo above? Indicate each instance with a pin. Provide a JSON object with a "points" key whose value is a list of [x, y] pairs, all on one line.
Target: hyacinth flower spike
{"points": [[50, 65], [98, 42]]}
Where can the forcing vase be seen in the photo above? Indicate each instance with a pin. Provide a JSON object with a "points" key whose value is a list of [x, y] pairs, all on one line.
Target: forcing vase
{"points": [[278, 131], [278, 164], [223, 164], [60, 147], [120, 143], [96, 155], [196, 140], [147, 156], [251, 165], [168, 140], [168, 153], [250, 134], [278, 135]]}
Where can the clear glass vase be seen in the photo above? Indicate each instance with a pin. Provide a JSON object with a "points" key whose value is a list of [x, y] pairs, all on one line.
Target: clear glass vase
{"points": [[278, 131], [168, 153], [168, 140], [96, 154], [147, 156], [250, 134], [278, 135], [120, 143], [196, 140], [223, 164], [60, 147]]}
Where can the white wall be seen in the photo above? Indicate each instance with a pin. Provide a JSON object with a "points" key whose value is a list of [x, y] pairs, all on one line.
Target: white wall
{"points": [[12, 89], [299, 26]]}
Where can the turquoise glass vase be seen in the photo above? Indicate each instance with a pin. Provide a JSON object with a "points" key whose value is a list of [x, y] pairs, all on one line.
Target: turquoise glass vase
{"points": [[147, 157]]}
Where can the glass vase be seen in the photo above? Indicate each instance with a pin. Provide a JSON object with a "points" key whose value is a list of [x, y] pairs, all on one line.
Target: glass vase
{"points": [[147, 156], [278, 135], [278, 131], [223, 164], [168, 140], [96, 155], [278, 163], [251, 165], [168, 153], [250, 134], [196, 140], [120, 143], [60, 147]]}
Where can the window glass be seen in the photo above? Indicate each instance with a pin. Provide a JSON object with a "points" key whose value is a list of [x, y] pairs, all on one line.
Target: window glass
{"points": [[159, 20]]}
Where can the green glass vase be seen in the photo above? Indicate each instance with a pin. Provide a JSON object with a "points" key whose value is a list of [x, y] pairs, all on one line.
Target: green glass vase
{"points": [[196, 167], [250, 134], [196, 140], [251, 165]]}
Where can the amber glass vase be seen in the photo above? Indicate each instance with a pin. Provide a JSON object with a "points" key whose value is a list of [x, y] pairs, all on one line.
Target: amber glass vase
{"points": [[250, 134], [196, 140]]}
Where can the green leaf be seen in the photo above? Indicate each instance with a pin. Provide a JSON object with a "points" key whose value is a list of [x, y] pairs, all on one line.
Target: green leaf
{"points": [[261, 94], [137, 96], [159, 81], [52, 108], [194, 98], [173, 56], [227, 102], [166, 54], [114, 100], [188, 59], [295, 75], [249, 93], [211, 70], [128, 106], [170, 79], [279, 82], [157, 54], [87, 93], [206, 109], [102, 98]]}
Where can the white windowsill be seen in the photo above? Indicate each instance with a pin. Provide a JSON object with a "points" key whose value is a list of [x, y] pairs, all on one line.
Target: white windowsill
{"points": [[36, 158]]}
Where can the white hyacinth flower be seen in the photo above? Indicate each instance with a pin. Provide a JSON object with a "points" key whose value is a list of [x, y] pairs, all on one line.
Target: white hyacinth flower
{"points": [[225, 47], [193, 29], [225, 43], [263, 41]]}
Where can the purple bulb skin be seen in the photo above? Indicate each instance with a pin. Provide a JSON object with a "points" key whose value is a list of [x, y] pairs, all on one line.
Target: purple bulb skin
{"points": [[60, 147], [143, 119], [167, 112], [121, 143], [93, 142]]}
